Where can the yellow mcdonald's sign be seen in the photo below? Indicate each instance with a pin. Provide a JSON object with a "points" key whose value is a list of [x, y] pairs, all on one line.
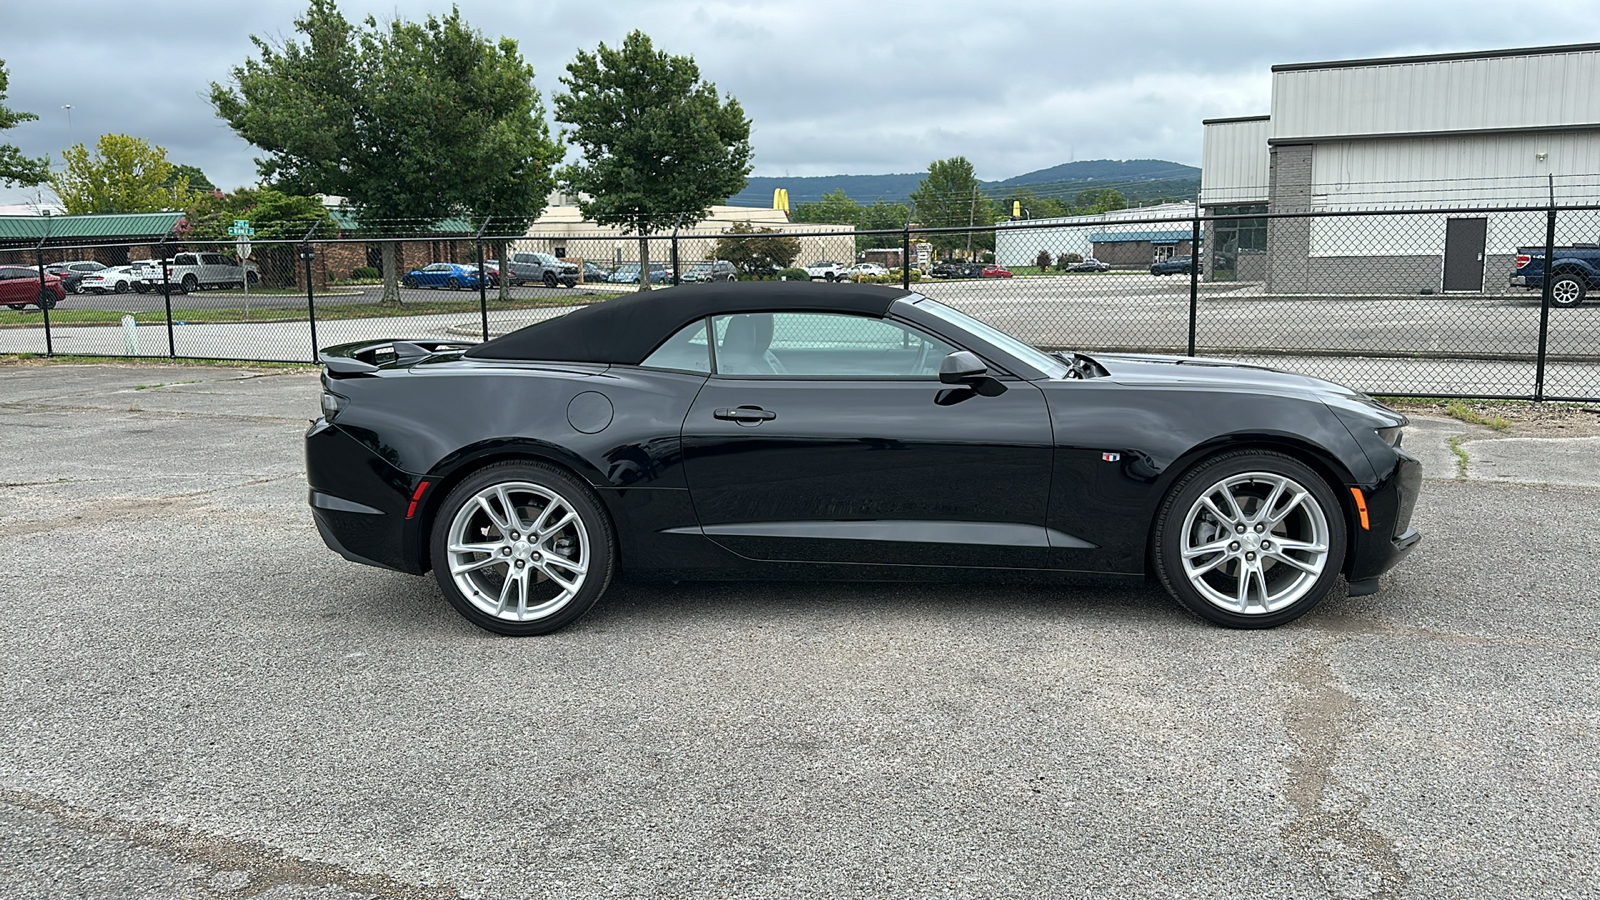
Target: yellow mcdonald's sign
{"points": [[780, 199]]}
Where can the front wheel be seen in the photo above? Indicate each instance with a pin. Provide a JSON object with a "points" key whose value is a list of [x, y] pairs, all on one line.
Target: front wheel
{"points": [[120, 287], [1567, 290], [408, 281], [550, 279], [1250, 539], [521, 548]]}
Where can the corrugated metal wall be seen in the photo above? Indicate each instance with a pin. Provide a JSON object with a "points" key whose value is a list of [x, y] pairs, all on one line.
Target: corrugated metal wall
{"points": [[1471, 169], [1233, 162], [1544, 90]]}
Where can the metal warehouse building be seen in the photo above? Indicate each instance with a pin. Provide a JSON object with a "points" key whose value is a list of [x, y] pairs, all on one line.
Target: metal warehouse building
{"points": [[1108, 236], [1440, 132]]}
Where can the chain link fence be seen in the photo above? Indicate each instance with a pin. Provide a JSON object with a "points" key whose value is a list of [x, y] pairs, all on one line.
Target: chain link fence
{"points": [[1449, 303]]}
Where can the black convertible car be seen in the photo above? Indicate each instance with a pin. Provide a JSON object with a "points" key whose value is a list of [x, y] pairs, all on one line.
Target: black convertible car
{"points": [[794, 430]]}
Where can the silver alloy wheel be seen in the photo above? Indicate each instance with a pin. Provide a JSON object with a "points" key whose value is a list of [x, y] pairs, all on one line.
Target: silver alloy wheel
{"points": [[518, 551], [1255, 543], [1566, 292]]}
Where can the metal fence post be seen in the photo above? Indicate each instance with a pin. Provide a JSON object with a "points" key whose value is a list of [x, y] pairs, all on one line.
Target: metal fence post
{"points": [[483, 290], [166, 297], [905, 257], [311, 295], [675, 279], [1544, 300], [49, 345], [1194, 275]]}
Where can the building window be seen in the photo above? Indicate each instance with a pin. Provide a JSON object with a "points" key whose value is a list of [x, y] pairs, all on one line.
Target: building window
{"points": [[1232, 238]]}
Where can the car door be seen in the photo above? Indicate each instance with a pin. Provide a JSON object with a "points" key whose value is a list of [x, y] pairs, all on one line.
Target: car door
{"points": [[18, 285], [828, 438]]}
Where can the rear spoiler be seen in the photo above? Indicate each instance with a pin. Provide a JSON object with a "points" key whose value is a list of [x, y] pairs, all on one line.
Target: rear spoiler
{"points": [[368, 357]]}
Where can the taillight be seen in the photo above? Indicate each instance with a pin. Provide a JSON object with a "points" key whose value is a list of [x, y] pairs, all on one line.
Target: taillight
{"points": [[1522, 259]]}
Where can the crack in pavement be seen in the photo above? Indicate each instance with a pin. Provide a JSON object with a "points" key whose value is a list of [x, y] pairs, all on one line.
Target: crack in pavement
{"points": [[171, 414], [268, 867], [1352, 858]]}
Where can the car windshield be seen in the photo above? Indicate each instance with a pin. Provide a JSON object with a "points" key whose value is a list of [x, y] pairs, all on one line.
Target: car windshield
{"points": [[1028, 353]]}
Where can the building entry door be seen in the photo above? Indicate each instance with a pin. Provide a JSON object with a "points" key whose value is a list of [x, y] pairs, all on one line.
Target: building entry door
{"points": [[1463, 254]]}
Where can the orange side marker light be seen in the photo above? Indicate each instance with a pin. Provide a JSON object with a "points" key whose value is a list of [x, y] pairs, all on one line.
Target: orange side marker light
{"points": [[1361, 507]]}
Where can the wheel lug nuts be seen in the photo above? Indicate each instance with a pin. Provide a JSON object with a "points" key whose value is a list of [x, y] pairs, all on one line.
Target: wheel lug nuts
{"points": [[515, 536], [505, 551], [1233, 546], [1260, 528], [1239, 528], [1246, 556], [1266, 545], [520, 563]]}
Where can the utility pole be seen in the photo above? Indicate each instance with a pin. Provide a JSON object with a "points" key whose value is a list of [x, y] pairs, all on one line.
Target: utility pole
{"points": [[971, 212]]}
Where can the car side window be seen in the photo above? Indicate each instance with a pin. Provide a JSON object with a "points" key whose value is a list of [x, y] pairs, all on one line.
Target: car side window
{"points": [[686, 351], [824, 345]]}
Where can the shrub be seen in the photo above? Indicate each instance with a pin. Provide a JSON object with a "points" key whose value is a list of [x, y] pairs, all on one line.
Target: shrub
{"points": [[364, 272], [793, 274], [1067, 259]]}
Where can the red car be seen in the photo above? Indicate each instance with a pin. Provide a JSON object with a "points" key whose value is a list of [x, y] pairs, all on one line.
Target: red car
{"points": [[19, 287], [996, 272]]}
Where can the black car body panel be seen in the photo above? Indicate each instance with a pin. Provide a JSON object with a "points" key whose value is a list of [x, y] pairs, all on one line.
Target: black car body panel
{"points": [[1035, 472]]}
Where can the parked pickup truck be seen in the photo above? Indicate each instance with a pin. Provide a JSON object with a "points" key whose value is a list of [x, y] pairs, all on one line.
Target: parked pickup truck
{"points": [[539, 268], [1577, 270], [190, 272]]}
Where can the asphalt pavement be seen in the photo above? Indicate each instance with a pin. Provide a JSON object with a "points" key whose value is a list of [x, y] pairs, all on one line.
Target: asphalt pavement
{"points": [[198, 699]]}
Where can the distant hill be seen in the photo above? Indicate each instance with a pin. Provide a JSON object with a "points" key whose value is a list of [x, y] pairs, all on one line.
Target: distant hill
{"points": [[1137, 179]]}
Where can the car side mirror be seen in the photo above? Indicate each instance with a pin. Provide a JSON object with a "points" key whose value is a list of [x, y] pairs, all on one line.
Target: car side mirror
{"points": [[962, 367]]}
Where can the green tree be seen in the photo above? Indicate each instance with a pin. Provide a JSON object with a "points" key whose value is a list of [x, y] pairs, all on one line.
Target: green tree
{"points": [[1099, 200], [123, 175], [952, 197], [835, 208], [412, 122], [274, 215], [196, 178], [16, 169], [659, 146], [881, 216], [757, 251]]}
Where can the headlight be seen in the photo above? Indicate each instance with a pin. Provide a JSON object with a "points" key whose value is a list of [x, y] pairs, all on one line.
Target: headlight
{"points": [[331, 404], [1391, 435]]}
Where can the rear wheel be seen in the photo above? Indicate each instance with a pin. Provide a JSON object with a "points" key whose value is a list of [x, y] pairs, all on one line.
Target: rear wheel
{"points": [[1250, 539], [19, 307], [453, 283], [121, 287], [190, 284], [408, 281], [47, 300], [1567, 289], [549, 279], [141, 288], [522, 548]]}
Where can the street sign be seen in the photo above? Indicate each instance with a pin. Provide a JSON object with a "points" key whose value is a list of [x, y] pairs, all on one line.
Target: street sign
{"points": [[241, 229], [242, 247]]}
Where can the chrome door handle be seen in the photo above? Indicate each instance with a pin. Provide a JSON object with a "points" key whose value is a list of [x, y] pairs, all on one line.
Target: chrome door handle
{"points": [[745, 414]]}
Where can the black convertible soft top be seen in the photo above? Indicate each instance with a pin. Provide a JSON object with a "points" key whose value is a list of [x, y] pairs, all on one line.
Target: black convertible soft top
{"points": [[624, 331]]}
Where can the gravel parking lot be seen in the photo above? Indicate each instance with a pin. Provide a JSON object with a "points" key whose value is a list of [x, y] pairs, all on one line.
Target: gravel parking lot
{"points": [[197, 699]]}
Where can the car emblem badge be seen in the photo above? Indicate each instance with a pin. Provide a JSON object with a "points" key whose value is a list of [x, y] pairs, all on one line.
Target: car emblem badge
{"points": [[1111, 457]]}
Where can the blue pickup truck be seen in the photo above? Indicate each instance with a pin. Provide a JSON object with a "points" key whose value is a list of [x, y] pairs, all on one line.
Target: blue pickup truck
{"points": [[1577, 270]]}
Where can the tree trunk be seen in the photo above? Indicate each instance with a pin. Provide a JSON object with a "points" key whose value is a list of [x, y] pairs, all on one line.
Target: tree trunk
{"points": [[391, 273], [502, 250], [644, 262]]}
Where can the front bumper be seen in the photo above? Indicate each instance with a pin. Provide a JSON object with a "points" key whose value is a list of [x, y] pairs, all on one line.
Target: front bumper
{"points": [[1389, 536]]}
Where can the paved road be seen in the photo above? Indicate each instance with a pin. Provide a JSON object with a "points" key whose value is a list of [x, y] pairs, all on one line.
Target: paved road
{"points": [[198, 699], [337, 296]]}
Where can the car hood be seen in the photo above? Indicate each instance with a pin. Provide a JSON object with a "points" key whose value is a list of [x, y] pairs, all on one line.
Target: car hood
{"points": [[1177, 371]]}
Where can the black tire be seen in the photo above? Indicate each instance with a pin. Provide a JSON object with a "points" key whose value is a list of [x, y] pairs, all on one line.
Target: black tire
{"points": [[1568, 290], [549, 279], [830, 277], [253, 278], [580, 498], [1200, 481], [453, 283], [408, 282], [120, 287], [19, 307], [190, 284], [47, 300]]}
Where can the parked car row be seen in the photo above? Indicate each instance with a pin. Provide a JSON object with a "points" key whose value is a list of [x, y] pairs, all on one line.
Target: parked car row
{"points": [[20, 287]]}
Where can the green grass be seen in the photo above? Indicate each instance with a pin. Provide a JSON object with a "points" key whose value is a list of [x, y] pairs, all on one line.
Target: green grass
{"points": [[1460, 410], [1461, 455], [60, 316], [152, 361]]}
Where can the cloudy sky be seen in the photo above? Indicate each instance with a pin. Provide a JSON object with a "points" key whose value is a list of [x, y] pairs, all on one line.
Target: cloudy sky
{"points": [[831, 87]]}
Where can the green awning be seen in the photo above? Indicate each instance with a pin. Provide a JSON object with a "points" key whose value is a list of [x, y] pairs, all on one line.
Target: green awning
{"points": [[101, 227]]}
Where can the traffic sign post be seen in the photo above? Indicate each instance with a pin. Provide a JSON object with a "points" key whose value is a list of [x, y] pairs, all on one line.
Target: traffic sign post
{"points": [[241, 232]]}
